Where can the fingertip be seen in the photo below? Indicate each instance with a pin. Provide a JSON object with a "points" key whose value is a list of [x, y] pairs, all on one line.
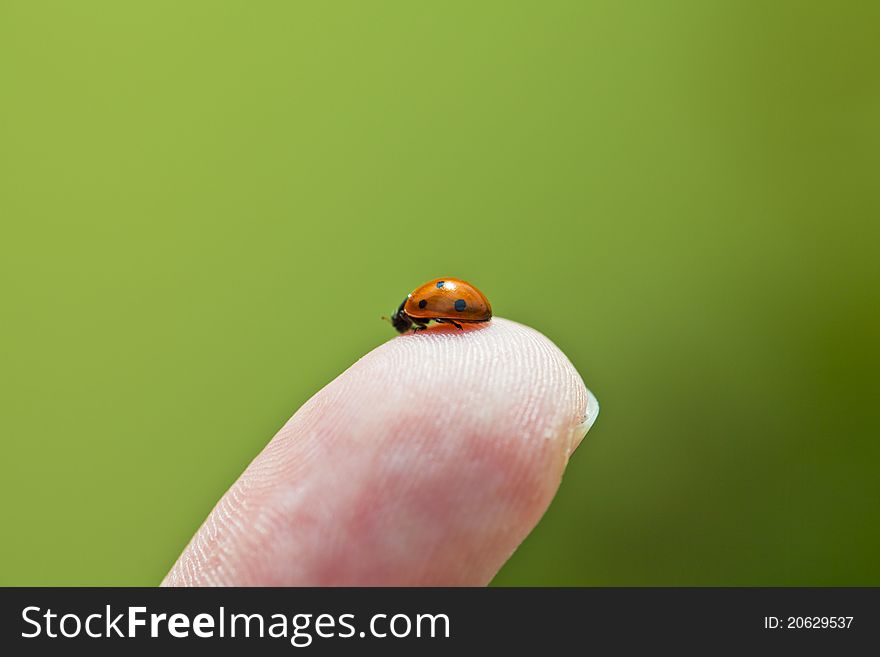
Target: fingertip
{"points": [[426, 462]]}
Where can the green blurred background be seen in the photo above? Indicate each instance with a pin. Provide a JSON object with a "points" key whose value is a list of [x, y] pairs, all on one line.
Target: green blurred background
{"points": [[683, 195]]}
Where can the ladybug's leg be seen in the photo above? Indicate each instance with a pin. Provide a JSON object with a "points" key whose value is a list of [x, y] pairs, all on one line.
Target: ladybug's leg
{"points": [[449, 321], [419, 325]]}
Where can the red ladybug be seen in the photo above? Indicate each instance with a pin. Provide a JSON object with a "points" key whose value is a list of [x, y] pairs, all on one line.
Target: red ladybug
{"points": [[442, 300]]}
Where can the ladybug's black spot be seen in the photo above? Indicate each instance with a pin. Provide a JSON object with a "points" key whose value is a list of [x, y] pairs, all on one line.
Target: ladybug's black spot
{"points": [[460, 304], [422, 303], [441, 283]]}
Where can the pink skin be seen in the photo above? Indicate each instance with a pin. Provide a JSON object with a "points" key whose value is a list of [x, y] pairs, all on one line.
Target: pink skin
{"points": [[427, 462]]}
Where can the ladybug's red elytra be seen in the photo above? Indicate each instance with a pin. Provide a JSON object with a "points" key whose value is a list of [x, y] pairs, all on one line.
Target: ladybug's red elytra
{"points": [[444, 300]]}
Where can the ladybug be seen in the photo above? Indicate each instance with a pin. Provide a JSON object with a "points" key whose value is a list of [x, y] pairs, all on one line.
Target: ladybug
{"points": [[444, 300]]}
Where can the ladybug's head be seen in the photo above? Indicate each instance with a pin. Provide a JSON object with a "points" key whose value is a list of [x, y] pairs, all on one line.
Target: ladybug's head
{"points": [[400, 320]]}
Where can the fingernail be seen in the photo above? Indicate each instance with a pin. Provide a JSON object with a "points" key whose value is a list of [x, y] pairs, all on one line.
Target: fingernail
{"points": [[590, 413]]}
